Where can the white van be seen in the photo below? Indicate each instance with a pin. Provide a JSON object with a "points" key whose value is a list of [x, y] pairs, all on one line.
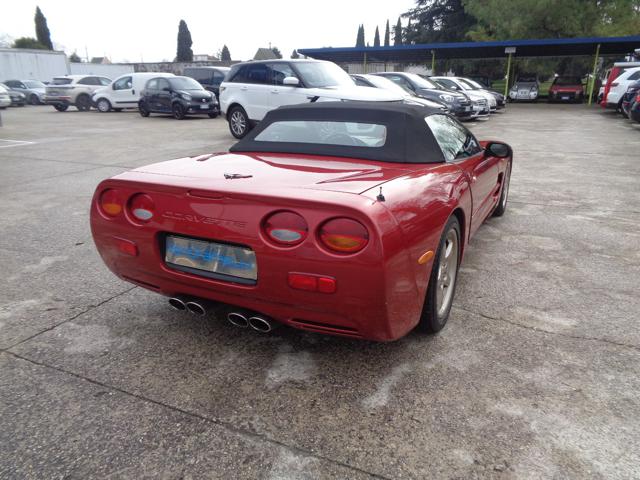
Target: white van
{"points": [[124, 91]]}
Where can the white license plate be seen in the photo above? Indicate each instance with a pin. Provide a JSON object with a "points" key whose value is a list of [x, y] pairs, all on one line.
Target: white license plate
{"points": [[204, 107], [204, 257], [565, 98]]}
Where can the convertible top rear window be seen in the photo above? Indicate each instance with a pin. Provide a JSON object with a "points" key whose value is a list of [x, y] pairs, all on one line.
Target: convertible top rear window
{"points": [[378, 131], [353, 134]]}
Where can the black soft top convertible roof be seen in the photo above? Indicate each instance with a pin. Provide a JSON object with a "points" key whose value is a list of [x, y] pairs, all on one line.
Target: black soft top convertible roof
{"points": [[409, 138]]}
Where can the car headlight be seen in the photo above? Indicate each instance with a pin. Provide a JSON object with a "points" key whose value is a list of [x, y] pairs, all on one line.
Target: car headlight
{"points": [[447, 98], [186, 96]]}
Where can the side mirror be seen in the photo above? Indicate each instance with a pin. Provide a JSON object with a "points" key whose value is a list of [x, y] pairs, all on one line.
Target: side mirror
{"points": [[291, 81], [497, 149]]}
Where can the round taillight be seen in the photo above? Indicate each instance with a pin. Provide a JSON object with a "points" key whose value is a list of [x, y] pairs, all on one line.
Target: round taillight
{"points": [[141, 207], [110, 202], [344, 235], [286, 228]]}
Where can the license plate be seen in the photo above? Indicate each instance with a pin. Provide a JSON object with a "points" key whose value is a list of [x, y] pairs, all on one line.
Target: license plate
{"points": [[204, 107], [53, 92], [212, 259], [565, 98]]}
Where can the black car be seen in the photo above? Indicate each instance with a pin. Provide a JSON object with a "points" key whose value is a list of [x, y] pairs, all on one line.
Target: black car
{"points": [[209, 77], [634, 110], [630, 97], [178, 96], [458, 103]]}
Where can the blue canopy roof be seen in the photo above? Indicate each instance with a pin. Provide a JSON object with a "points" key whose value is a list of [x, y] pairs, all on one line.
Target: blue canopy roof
{"points": [[550, 47]]}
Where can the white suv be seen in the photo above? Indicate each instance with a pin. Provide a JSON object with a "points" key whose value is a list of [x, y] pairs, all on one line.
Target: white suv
{"points": [[252, 89], [620, 85]]}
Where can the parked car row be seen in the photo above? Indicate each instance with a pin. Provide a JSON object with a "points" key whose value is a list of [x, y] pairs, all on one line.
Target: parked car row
{"points": [[250, 90]]}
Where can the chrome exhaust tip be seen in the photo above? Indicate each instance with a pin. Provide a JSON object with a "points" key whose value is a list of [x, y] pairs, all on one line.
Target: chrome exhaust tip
{"points": [[238, 320], [261, 325], [177, 304], [196, 308]]}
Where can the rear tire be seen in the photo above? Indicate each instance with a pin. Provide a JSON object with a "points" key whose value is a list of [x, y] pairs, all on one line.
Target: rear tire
{"points": [[504, 193], [239, 124], [83, 103], [178, 111], [443, 279], [61, 107], [213, 115], [33, 99], [103, 105]]}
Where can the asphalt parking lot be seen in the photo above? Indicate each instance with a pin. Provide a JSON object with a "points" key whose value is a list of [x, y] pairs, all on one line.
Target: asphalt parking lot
{"points": [[537, 374]]}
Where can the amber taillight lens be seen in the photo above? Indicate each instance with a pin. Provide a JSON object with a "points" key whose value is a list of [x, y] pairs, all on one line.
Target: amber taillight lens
{"points": [[142, 207], [111, 202], [286, 228], [344, 235]]}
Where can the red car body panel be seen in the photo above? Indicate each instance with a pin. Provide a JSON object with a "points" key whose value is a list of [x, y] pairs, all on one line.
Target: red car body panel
{"points": [[380, 290]]}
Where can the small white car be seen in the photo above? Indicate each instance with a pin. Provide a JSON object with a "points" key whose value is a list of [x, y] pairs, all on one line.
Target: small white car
{"points": [[124, 91], [252, 89], [620, 85], [5, 99]]}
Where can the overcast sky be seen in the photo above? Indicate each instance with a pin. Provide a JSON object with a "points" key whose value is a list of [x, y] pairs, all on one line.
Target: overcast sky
{"points": [[142, 30]]}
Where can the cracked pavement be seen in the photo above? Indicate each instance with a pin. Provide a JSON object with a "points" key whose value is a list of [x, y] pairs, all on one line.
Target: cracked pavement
{"points": [[537, 374]]}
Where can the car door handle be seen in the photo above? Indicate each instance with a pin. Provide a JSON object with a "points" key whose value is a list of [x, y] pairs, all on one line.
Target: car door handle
{"points": [[275, 91], [244, 89]]}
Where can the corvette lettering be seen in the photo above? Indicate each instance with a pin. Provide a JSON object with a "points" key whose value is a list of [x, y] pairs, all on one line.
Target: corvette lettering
{"points": [[194, 218]]}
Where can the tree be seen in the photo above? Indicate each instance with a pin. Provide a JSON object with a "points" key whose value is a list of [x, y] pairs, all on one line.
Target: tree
{"points": [[360, 38], [386, 34], [225, 55], [28, 42], [295, 55], [442, 20], [184, 54], [397, 33], [75, 58], [376, 38], [276, 52], [42, 31]]}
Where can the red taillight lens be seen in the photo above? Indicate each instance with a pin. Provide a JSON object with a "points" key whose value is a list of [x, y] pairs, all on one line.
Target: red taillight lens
{"points": [[312, 283], [110, 202], [344, 235], [286, 228], [142, 207], [638, 98]]}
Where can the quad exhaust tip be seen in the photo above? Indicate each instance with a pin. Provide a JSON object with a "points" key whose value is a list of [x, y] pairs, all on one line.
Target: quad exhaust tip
{"points": [[196, 308], [177, 304], [260, 324], [238, 320]]}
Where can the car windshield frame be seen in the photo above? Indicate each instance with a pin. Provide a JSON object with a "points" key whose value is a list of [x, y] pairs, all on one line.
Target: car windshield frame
{"points": [[192, 85], [422, 82], [571, 81], [34, 84], [61, 81], [334, 76], [470, 83]]}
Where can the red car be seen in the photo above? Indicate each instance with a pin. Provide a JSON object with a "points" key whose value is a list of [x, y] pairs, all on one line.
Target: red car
{"points": [[566, 89], [341, 218]]}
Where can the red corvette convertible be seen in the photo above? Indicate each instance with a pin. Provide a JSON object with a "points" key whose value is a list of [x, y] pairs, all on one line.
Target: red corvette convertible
{"points": [[347, 219]]}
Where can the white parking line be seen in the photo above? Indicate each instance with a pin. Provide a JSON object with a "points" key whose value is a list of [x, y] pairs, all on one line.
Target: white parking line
{"points": [[15, 143]]}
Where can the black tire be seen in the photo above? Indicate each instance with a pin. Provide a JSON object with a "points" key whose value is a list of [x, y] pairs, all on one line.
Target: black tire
{"points": [[213, 114], [239, 124], [142, 108], [501, 207], [103, 105], [83, 103], [33, 99], [177, 110], [61, 107], [432, 320], [118, 109]]}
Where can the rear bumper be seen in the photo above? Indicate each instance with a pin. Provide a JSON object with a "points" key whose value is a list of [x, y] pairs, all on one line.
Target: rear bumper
{"points": [[56, 99], [375, 298]]}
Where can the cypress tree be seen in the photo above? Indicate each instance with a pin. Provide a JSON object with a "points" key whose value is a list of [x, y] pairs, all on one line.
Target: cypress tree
{"points": [[397, 33], [295, 55], [376, 38], [386, 34], [225, 55], [184, 54], [42, 30]]}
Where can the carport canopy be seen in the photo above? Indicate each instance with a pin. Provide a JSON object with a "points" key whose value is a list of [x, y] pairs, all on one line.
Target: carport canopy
{"points": [[420, 53]]}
